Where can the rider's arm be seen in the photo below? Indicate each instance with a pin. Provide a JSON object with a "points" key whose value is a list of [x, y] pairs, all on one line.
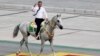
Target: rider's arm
{"points": [[33, 7]]}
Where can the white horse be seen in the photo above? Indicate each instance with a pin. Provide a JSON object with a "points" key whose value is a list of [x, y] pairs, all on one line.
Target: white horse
{"points": [[46, 33]]}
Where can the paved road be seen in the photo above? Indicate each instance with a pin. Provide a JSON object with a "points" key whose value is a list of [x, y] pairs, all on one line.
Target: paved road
{"points": [[80, 31], [76, 4]]}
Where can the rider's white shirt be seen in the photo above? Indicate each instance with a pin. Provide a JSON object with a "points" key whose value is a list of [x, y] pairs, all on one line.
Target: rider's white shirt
{"points": [[41, 13]]}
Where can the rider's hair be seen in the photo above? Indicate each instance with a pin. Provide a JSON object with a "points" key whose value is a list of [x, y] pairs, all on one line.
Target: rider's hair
{"points": [[39, 1]]}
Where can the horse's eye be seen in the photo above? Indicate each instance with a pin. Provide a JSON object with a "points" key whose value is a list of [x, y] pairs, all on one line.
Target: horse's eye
{"points": [[57, 20]]}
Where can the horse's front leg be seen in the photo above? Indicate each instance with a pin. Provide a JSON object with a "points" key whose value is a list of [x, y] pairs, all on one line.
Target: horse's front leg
{"points": [[42, 46], [51, 45]]}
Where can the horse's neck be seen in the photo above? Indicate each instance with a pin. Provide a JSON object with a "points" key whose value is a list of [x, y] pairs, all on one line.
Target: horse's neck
{"points": [[51, 26]]}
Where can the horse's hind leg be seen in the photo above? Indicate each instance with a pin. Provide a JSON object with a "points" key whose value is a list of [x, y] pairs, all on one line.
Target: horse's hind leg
{"points": [[21, 43], [26, 44], [51, 45]]}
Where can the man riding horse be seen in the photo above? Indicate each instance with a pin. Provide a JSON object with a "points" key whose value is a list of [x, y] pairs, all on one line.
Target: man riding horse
{"points": [[40, 16], [46, 33]]}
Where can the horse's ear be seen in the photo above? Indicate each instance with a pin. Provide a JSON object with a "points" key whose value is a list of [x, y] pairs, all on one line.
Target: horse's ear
{"points": [[58, 15]]}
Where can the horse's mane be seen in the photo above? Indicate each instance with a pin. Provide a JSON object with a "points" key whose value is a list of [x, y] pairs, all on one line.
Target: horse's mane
{"points": [[54, 17]]}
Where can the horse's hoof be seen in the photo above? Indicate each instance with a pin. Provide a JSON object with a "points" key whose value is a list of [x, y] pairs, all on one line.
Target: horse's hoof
{"points": [[38, 55], [30, 55], [17, 54]]}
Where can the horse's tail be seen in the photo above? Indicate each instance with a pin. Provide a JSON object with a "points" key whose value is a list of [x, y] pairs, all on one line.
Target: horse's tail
{"points": [[15, 32]]}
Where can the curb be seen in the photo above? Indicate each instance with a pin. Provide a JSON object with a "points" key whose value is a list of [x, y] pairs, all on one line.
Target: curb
{"points": [[17, 7], [58, 46]]}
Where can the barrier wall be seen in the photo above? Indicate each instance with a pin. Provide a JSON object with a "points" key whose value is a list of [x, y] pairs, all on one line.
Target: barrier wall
{"points": [[51, 9]]}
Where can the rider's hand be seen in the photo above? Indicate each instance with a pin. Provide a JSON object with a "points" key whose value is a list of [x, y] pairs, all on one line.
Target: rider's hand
{"points": [[35, 4], [46, 20]]}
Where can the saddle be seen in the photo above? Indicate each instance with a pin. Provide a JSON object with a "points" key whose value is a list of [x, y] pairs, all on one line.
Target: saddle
{"points": [[33, 26]]}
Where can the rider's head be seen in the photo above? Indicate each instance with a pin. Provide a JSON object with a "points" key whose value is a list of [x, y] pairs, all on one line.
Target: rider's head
{"points": [[39, 3]]}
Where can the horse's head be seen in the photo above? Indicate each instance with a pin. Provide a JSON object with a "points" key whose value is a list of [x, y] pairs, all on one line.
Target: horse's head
{"points": [[58, 21]]}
